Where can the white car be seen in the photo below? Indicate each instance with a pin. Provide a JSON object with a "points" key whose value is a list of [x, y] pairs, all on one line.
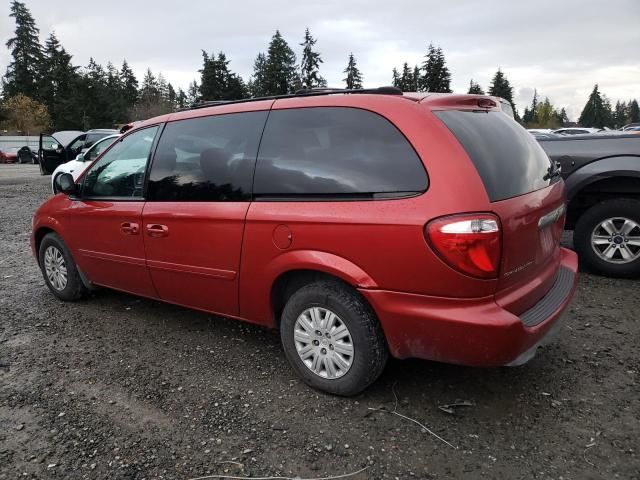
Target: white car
{"points": [[82, 161]]}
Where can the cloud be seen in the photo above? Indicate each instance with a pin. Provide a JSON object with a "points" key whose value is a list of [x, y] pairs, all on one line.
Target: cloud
{"points": [[559, 48]]}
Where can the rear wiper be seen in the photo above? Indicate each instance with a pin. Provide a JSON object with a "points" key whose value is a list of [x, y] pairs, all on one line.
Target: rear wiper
{"points": [[554, 170]]}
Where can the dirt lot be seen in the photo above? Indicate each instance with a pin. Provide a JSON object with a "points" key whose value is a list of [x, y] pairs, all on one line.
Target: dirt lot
{"points": [[123, 388]]}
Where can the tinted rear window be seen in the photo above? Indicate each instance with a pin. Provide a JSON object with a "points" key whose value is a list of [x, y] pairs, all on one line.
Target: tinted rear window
{"points": [[335, 151], [509, 160]]}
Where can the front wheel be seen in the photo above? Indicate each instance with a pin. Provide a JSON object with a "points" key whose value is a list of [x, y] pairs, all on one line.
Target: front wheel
{"points": [[59, 270], [607, 238], [332, 338]]}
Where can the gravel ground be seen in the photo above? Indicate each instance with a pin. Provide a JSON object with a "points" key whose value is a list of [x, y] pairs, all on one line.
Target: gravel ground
{"points": [[119, 387]]}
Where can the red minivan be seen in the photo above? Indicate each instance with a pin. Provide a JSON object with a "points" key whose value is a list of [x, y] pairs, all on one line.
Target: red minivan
{"points": [[360, 223]]}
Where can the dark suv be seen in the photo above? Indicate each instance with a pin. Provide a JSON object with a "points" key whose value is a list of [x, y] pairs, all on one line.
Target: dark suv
{"points": [[360, 223]]}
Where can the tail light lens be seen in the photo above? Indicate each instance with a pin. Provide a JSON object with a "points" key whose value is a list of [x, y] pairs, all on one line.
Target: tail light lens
{"points": [[472, 244]]}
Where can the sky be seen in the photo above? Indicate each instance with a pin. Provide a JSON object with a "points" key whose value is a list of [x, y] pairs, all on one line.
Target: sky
{"points": [[559, 47]]}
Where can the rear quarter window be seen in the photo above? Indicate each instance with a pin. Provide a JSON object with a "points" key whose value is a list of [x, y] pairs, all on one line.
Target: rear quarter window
{"points": [[335, 152], [508, 159]]}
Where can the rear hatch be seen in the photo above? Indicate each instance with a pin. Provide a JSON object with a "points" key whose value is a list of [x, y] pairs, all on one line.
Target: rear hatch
{"points": [[526, 193]]}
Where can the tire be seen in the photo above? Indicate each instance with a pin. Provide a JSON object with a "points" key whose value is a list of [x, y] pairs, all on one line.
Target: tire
{"points": [[54, 252], [621, 211], [364, 336], [53, 183]]}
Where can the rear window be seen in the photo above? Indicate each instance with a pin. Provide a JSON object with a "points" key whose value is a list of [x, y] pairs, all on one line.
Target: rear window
{"points": [[335, 152], [509, 160]]}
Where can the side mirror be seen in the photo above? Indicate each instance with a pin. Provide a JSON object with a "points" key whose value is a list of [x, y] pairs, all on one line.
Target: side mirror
{"points": [[66, 184], [80, 157]]}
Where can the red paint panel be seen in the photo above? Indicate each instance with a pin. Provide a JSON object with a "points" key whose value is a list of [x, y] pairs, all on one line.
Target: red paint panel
{"points": [[196, 263]]}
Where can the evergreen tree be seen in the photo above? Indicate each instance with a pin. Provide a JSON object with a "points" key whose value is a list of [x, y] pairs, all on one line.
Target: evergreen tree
{"points": [[212, 76], [258, 86], [181, 99], [620, 114], [310, 65], [129, 85], [149, 90], [95, 98], [217, 81], [23, 71], [281, 75], [529, 115], [353, 77], [633, 112], [437, 77], [595, 112], [395, 78], [119, 109], [415, 87], [563, 118], [475, 88], [500, 87], [57, 84], [406, 80], [193, 95]]}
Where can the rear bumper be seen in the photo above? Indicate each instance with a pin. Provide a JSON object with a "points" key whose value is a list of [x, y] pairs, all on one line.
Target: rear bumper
{"points": [[475, 332]]}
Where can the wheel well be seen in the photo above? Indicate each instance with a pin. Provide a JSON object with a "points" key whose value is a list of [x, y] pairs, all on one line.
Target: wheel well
{"points": [[596, 192], [40, 233], [290, 282]]}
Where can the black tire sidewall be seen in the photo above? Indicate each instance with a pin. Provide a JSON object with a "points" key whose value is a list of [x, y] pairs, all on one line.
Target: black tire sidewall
{"points": [[74, 288], [623, 207], [357, 316]]}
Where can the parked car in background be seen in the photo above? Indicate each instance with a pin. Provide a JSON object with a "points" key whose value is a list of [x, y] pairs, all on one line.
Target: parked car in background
{"points": [[60, 147], [602, 174], [9, 155], [542, 133], [26, 155], [577, 130], [83, 160], [631, 126], [334, 216]]}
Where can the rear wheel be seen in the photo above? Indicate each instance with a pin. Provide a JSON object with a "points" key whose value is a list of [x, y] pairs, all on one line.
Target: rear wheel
{"points": [[607, 238], [332, 338], [59, 270]]}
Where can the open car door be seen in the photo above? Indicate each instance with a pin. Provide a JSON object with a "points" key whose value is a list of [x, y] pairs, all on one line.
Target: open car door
{"points": [[50, 154]]}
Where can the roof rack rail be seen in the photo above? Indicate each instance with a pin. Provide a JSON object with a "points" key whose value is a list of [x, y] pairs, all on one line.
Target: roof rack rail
{"points": [[312, 92]]}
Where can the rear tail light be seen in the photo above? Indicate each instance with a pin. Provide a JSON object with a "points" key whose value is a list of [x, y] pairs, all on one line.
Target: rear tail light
{"points": [[471, 244]]}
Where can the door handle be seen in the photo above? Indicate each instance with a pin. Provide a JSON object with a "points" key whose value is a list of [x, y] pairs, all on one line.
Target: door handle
{"points": [[156, 230], [130, 228]]}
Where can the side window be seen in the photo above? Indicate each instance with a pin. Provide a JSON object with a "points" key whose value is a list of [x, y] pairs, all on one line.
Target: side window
{"points": [[335, 151], [120, 171], [97, 149], [77, 145], [91, 139], [207, 159]]}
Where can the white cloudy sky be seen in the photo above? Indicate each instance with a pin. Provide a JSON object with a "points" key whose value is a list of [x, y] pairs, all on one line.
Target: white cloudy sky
{"points": [[560, 47]]}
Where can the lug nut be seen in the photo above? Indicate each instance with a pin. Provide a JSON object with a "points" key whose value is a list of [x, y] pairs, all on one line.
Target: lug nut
{"points": [[316, 343], [324, 351]]}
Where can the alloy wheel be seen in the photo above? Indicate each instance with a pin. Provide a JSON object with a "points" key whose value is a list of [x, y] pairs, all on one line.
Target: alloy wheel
{"points": [[616, 240]]}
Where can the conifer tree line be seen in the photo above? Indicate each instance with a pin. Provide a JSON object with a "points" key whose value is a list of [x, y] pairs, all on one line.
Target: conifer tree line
{"points": [[42, 79]]}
